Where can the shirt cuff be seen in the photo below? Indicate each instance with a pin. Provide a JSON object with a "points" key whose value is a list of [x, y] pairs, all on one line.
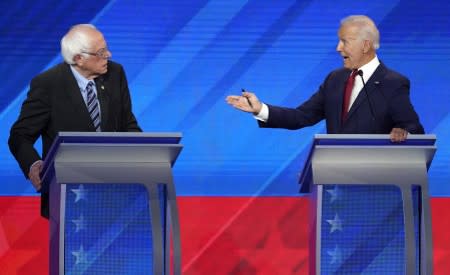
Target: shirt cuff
{"points": [[263, 115]]}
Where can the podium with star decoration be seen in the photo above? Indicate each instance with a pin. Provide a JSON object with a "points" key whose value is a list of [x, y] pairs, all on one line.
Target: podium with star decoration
{"points": [[113, 204], [370, 209]]}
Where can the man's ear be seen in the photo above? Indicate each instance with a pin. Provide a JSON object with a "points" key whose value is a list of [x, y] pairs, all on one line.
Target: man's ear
{"points": [[367, 46], [78, 59]]}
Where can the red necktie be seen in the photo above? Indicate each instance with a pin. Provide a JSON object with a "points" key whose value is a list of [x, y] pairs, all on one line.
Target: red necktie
{"points": [[348, 93]]}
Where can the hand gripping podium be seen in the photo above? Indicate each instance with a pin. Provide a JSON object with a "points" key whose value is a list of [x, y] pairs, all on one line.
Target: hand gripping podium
{"points": [[370, 204], [112, 203]]}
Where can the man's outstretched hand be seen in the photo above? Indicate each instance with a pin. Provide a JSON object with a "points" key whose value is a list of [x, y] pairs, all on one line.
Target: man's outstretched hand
{"points": [[247, 102]]}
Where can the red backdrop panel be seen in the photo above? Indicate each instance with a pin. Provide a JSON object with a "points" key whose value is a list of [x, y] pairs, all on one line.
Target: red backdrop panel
{"points": [[220, 235]]}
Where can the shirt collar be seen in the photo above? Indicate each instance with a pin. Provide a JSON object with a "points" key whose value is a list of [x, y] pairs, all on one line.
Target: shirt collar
{"points": [[81, 80], [369, 68]]}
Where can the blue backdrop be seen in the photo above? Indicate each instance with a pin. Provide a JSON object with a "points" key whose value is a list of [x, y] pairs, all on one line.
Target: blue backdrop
{"points": [[183, 57]]}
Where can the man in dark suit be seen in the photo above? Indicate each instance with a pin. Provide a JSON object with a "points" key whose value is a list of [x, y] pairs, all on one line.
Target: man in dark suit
{"points": [[59, 100], [383, 107]]}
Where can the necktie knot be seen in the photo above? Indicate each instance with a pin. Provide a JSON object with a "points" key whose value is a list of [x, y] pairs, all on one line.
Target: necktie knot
{"points": [[89, 86]]}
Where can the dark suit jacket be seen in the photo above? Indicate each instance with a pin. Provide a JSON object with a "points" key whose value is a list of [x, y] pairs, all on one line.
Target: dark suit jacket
{"points": [[387, 92], [54, 104]]}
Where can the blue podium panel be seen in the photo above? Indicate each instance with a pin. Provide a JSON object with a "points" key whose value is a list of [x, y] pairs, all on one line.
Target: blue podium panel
{"points": [[108, 229], [113, 204], [371, 206], [362, 230]]}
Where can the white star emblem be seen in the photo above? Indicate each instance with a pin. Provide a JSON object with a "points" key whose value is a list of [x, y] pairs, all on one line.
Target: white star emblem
{"points": [[336, 255], [336, 224], [333, 193], [80, 223], [80, 193], [80, 255]]}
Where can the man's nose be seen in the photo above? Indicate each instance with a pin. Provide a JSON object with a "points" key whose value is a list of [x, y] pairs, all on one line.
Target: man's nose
{"points": [[339, 46]]}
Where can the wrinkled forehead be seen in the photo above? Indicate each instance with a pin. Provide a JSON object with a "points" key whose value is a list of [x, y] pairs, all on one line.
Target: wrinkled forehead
{"points": [[348, 31], [96, 40]]}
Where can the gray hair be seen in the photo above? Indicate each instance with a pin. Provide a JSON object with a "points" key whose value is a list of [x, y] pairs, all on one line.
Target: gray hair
{"points": [[367, 28], [75, 41]]}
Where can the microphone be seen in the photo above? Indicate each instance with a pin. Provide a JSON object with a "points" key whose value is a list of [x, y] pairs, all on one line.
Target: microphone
{"points": [[360, 73]]}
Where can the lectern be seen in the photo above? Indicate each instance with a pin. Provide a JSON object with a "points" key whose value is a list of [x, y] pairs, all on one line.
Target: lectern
{"points": [[370, 204], [112, 203]]}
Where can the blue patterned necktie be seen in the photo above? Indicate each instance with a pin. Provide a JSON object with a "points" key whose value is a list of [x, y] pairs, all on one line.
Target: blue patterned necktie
{"points": [[92, 106]]}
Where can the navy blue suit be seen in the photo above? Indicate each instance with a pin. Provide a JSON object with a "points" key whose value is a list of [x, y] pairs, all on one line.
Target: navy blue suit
{"points": [[388, 92]]}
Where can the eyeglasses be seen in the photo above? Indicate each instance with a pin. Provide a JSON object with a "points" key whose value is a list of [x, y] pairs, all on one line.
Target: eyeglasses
{"points": [[102, 53]]}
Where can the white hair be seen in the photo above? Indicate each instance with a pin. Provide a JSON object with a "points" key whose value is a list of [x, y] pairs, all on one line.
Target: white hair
{"points": [[366, 28], [75, 41]]}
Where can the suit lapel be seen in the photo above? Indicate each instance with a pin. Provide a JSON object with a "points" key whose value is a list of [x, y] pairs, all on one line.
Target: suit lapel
{"points": [[370, 86], [75, 97], [103, 99]]}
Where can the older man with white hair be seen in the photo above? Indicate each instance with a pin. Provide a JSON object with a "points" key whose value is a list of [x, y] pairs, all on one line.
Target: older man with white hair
{"points": [[86, 93], [364, 97]]}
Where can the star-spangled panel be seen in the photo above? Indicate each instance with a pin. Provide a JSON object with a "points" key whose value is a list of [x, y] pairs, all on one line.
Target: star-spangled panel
{"points": [[80, 255], [80, 223], [333, 193], [335, 224], [108, 231], [80, 193], [336, 255], [373, 239]]}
